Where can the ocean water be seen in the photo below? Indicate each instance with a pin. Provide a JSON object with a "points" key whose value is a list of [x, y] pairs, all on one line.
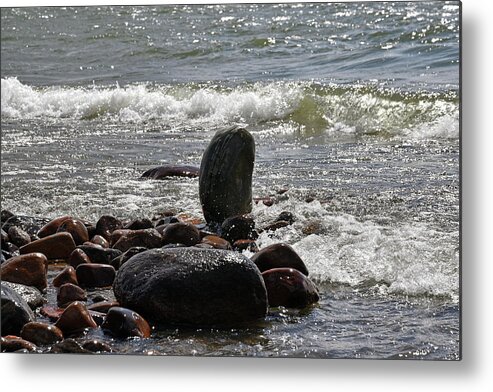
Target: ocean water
{"points": [[354, 105]]}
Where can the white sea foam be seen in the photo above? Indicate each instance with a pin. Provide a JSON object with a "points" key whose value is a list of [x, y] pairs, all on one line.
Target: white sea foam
{"points": [[289, 107], [409, 259]]}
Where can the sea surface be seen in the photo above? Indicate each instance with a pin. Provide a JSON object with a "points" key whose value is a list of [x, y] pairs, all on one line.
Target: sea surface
{"points": [[354, 108]]}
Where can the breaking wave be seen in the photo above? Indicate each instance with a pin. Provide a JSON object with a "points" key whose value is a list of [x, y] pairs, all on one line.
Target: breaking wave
{"points": [[335, 110]]}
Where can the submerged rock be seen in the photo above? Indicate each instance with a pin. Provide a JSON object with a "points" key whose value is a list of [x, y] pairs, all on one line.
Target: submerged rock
{"points": [[192, 286], [240, 227], [163, 172], [225, 184], [95, 275], [147, 238]]}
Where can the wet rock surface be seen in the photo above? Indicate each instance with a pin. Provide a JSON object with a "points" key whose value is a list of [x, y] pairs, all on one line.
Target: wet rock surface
{"points": [[15, 311], [225, 184], [279, 256], [192, 286]]}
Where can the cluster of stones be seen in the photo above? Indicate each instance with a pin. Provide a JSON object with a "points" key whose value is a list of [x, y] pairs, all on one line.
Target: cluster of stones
{"points": [[173, 269]]}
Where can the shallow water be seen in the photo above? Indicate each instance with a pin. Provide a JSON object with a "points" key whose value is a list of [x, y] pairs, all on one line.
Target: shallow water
{"points": [[355, 105]]}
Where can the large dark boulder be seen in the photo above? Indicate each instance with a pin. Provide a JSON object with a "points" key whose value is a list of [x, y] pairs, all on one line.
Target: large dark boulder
{"points": [[192, 286], [225, 184], [15, 312]]}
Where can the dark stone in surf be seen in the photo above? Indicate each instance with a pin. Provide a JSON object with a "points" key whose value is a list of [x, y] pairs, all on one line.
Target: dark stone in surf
{"points": [[41, 334], [76, 228], [289, 288], [239, 227], [117, 262], [15, 311], [11, 344], [75, 318], [225, 184], [18, 236], [29, 269], [276, 225], [124, 322], [30, 294], [192, 286], [181, 233], [68, 293], [139, 224], [163, 172], [66, 276], [95, 275], [98, 254], [107, 224], [68, 346], [101, 241], [286, 216], [147, 238], [52, 226], [279, 256], [96, 346], [29, 224], [55, 246]]}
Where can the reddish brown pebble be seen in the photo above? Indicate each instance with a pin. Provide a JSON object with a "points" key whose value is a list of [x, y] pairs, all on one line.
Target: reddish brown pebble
{"points": [[66, 276], [268, 202], [278, 256], [289, 287], [96, 346], [77, 257], [76, 228], [29, 269], [216, 242], [147, 238], [101, 241], [103, 306], [52, 226], [95, 275], [75, 318], [124, 322], [117, 234], [181, 233], [53, 313], [41, 333], [55, 246], [107, 224], [10, 344], [68, 293]]}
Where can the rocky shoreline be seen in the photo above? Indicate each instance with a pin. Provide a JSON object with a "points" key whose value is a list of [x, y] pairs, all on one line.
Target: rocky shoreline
{"points": [[173, 269]]}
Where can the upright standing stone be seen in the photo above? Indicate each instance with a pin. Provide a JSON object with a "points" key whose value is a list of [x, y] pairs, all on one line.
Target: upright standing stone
{"points": [[225, 184]]}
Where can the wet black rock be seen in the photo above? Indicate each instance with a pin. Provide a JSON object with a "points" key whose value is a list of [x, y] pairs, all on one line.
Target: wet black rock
{"points": [[99, 254], [240, 227], [192, 286], [15, 311], [117, 262], [225, 185], [163, 172], [31, 295]]}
